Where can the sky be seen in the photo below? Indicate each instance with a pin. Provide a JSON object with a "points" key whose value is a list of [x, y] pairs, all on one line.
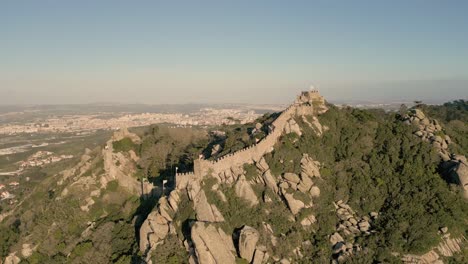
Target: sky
{"points": [[154, 52]]}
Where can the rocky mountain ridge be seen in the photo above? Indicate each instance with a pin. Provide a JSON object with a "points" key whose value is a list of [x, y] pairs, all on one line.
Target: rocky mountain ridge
{"points": [[208, 242], [229, 170], [322, 185]]}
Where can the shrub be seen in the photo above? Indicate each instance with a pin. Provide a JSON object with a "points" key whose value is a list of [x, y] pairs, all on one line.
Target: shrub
{"points": [[112, 186], [81, 249], [123, 145], [250, 171]]}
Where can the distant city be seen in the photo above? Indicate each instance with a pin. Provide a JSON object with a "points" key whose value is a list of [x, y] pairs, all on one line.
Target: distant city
{"points": [[45, 119], [58, 121]]}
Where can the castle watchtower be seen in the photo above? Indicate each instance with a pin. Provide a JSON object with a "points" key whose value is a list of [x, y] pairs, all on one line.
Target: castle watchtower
{"points": [[310, 102], [309, 97]]}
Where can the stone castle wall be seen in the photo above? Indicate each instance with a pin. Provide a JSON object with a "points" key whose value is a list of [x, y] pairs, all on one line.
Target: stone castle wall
{"points": [[254, 153]]}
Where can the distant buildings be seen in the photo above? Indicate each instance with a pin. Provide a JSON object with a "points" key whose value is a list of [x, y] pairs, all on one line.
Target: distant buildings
{"points": [[83, 123], [41, 158], [6, 195], [15, 183]]}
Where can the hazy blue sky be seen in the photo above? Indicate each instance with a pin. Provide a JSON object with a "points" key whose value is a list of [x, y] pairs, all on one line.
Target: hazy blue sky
{"points": [[231, 51]]}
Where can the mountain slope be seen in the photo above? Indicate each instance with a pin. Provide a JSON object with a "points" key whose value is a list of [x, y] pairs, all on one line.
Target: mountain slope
{"points": [[314, 183], [361, 183]]}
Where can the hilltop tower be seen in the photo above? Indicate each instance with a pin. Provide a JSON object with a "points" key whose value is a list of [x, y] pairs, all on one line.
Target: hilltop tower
{"points": [[309, 97], [310, 102]]}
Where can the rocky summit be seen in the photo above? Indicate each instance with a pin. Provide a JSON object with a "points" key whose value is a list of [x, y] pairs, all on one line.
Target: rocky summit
{"points": [[314, 183]]}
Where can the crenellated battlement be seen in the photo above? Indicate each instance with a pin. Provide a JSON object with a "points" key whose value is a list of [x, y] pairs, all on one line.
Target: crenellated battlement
{"points": [[190, 173], [309, 97], [308, 102]]}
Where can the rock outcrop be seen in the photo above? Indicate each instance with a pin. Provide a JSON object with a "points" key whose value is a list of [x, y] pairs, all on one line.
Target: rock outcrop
{"points": [[12, 259], [350, 226], [310, 168], [205, 211], [447, 248], [27, 250], [450, 246], [267, 177], [249, 248], [122, 172], [294, 205], [260, 256], [153, 231], [158, 224], [216, 149], [212, 245], [292, 127], [245, 191], [308, 220], [429, 130], [457, 170], [298, 191], [248, 239]]}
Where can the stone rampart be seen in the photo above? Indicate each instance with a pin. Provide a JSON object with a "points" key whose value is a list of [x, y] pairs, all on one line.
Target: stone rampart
{"points": [[252, 153]]}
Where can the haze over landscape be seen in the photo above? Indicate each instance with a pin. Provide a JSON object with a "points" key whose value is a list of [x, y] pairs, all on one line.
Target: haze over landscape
{"points": [[233, 132], [231, 52]]}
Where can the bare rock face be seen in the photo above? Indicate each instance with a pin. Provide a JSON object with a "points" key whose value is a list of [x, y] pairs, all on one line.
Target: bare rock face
{"points": [[153, 231], [315, 191], [350, 226], [310, 168], [126, 168], [193, 188], [305, 184], [27, 250], [12, 259], [429, 258], [458, 170], [206, 212], [247, 242], [294, 205], [270, 181], [450, 246], [315, 125], [174, 199], [260, 256], [262, 165], [212, 245], [309, 220], [318, 127], [336, 238], [447, 248], [244, 190], [164, 209], [292, 127], [158, 224], [216, 149], [292, 177]]}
